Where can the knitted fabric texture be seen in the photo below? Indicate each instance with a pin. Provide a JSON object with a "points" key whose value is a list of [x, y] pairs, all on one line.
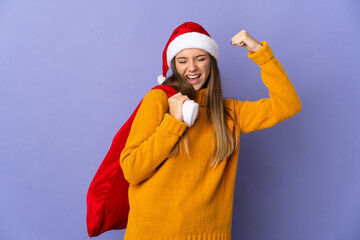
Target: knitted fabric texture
{"points": [[182, 198]]}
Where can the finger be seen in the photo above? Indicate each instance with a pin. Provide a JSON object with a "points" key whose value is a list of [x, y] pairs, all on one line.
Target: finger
{"points": [[186, 97], [182, 100], [233, 39], [236, 35], [175, 95], [241, 33], [239, 38], [238, 43]]}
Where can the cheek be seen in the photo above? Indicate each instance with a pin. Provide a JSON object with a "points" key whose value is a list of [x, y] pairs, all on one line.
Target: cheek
{"points": [[180, 69], [207, 69]]}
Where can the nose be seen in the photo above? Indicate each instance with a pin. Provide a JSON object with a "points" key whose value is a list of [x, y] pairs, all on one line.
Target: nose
{"points": [[192, 66]]}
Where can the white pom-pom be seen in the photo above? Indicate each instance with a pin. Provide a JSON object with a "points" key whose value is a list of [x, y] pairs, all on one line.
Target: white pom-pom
{"points": [[161, 79], [190, 111]]}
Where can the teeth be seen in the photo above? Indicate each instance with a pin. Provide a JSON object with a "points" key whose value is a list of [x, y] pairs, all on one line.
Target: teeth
{"points": [[196, 76]]}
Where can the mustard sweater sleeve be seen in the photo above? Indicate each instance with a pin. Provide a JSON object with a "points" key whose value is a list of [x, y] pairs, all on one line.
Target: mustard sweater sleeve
{"points": [[153, 134], [283, 102]]}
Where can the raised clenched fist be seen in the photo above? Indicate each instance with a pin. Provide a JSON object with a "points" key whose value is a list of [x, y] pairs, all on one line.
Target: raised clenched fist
{"points": [[243, 39], [175, 105]]}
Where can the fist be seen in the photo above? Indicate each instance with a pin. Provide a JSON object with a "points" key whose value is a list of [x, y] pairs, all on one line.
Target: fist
{"points": [[243, 39], [175, 105]]}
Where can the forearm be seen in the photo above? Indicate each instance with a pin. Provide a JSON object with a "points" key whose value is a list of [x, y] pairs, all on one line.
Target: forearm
{"points": [[283, 102], [140, 158]]}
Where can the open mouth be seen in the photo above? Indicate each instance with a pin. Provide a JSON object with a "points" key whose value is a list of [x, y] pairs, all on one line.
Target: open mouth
{"points": [[193, 78]]}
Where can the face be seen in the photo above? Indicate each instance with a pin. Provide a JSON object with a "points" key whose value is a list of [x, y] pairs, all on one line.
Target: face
{"points": [[194, 65]]}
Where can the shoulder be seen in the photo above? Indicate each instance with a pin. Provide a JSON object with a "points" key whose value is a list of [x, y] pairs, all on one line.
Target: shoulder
{"points": [[229, 105], [233, 104], [156, 98], [156, 95], [152, 108], [230, 102]]}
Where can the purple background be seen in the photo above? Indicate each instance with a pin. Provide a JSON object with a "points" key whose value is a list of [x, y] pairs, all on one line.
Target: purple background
{"points": [[72, 72]]}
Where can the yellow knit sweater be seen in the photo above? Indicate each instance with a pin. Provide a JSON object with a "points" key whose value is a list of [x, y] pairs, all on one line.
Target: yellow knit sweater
{"points": [[181, 198]]}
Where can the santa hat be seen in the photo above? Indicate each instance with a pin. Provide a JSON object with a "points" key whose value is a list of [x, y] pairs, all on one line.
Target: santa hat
{"points": [[187, 35]]}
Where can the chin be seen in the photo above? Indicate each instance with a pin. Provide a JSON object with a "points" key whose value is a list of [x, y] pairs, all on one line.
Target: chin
{"points": [[197, 88]]}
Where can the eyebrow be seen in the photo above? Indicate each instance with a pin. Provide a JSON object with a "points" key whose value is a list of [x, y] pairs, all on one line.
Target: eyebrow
{"points": [[202, 55]]}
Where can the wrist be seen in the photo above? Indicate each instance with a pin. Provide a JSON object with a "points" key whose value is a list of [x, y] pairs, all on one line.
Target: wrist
{"points": [[257, 48]]}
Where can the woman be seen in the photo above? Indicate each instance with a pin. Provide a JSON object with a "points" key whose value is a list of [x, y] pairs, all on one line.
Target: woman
{"points": [[182, 178]]}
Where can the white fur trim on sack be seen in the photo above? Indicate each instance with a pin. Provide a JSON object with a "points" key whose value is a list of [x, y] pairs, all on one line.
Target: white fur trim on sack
{"points": [[190, 111]]}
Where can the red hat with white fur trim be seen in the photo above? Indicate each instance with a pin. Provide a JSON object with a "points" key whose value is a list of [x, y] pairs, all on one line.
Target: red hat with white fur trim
{"points": [[187, 35]]}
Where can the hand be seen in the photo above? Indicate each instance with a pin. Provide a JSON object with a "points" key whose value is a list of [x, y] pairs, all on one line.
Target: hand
{"points": [[243, 39], [175, 105]]}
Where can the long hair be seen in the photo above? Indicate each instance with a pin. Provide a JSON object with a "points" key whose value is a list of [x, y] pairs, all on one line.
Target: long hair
{"points": [[216, 112]]}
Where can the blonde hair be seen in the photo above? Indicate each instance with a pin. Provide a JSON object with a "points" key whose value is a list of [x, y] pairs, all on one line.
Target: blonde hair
{"points": [[215, 109]]}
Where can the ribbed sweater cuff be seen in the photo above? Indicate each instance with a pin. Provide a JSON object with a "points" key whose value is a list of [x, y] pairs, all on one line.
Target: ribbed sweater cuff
{"points": [[173, 125], [262, 55]]}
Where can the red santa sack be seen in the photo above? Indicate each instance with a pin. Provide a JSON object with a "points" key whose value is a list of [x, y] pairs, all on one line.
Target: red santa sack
{"points": [[107, 198]]}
